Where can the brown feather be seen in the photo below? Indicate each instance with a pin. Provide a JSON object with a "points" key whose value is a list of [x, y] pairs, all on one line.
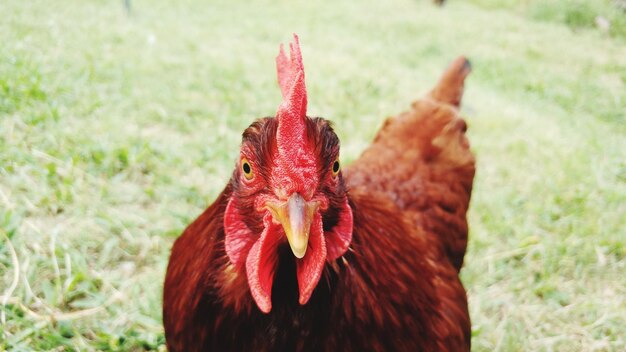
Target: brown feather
{"points": [[421, 160], [397, 287]]}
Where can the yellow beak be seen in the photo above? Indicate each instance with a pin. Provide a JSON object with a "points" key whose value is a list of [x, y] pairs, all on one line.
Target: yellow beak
{"points": [[296, 216]]}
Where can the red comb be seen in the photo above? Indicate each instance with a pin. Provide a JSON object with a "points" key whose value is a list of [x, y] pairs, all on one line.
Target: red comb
{"points": [[288, 69], [291, 113]]}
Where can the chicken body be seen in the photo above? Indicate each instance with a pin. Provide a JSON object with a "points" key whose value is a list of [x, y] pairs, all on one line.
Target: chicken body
{"points": [[397, 286]]}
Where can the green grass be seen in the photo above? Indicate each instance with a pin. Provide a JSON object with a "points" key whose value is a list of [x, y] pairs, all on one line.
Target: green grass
{"points": [[116, 130], [576, 14]]}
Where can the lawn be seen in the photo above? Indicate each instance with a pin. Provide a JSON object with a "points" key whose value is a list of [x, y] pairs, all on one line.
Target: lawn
{"points": [[119, 126]]}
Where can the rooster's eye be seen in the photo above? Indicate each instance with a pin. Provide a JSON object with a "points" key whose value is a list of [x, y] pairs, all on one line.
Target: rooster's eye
{"points": [[335, 168], [247, 169]]}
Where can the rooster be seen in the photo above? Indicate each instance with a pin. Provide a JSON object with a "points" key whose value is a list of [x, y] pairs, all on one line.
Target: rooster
{"points": [[297, 254]]}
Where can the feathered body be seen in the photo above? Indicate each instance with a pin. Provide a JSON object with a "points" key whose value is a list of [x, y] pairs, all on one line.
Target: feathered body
{"points": [[395, 285]]}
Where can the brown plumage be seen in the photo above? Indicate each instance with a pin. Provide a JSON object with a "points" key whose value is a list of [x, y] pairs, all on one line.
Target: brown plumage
{"points": [[396, 288]]}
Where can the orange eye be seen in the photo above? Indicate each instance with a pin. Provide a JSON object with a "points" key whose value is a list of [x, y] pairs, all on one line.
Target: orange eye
{"points": [[336, 168], [247, 169]]}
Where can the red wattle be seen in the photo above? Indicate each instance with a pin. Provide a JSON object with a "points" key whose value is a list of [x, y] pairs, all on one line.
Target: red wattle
{"points": [[260, 254], [261, 265], [309, 269]]}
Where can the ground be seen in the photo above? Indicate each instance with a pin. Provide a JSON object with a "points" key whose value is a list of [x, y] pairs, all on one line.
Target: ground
{"points": [[119, 125]]}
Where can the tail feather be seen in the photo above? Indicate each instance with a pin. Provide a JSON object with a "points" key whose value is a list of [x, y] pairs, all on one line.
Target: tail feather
{"points": [[421, 160], [449, 89]]}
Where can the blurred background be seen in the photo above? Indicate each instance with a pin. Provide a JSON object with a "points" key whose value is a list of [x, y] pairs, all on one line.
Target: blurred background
{"points": [[120, 122]]}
